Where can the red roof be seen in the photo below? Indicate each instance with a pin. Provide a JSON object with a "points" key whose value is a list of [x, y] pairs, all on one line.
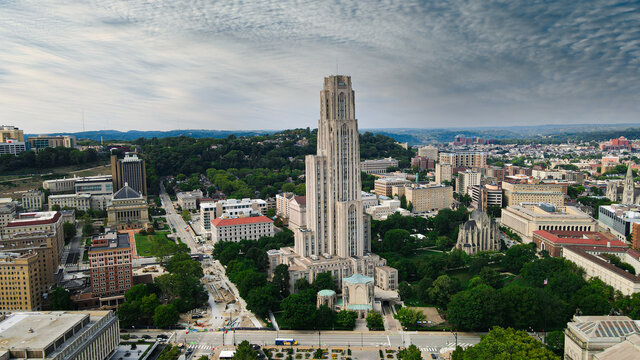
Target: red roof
{"points": [[240, 221], [302, 200], [594, 238], [23, 220]]}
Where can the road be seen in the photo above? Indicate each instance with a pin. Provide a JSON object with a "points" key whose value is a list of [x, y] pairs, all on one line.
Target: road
{"points": [[176, 221]]}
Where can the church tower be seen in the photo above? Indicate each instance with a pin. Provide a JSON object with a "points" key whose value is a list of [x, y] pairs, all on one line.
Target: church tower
{"points": [[628, 188], [335, 218]]}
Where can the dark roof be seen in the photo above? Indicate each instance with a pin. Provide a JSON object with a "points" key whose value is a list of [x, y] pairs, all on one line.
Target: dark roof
{"points": [[120, 242], [126, 193], [302, 200]]}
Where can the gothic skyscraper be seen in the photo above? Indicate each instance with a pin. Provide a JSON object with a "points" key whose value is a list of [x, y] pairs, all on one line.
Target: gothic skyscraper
{"points": [[334, 208], [337, 235]]}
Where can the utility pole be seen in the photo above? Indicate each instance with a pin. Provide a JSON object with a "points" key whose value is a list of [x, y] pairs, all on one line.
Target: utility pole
{"points": [[318, 338]]}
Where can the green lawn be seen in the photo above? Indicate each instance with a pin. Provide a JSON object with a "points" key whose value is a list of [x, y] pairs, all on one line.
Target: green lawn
{"points": [[146, 245]]}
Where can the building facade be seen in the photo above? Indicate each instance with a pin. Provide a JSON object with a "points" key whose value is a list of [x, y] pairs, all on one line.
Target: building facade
{"points": [[8, 132], [33, 200], [358, 294], [128, 209], [425, 198], [444, 172], [45, 141], [237, 229], [20, 282], [40, 233], [110, 267], [465, 180], [483, 196], [384, 186], [467, 159], [526, 218], [338, 233], [429, 151], [618, 219], [378, 166], [189, 200], [129, 171], [516, 194], [553, 241], [12, 147]]}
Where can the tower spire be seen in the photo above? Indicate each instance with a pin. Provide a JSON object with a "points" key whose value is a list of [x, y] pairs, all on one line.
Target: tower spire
{"points": [[628, 190]]}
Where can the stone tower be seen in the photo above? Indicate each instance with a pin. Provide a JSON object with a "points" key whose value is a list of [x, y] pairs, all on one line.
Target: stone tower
{"points": [[335, 219], [628, 188]]}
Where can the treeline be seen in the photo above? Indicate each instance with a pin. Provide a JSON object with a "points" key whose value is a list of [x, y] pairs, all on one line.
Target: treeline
{"points": [[47, 158], [256, 156], [161, 302]]}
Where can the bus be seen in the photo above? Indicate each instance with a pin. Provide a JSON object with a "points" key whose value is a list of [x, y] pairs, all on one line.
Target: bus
{"points": [[286, 342]]}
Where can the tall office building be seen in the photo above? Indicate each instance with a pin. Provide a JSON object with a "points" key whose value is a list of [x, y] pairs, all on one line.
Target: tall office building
{"points": [[337, 233], [130, 170], [10, 133]]}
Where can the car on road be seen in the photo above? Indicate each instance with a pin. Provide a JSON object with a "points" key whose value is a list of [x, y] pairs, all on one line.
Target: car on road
{"points": [[146, 337], [133, 336]]}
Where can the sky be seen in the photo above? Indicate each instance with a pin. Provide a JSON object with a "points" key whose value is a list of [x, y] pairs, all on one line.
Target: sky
{"points": [[232, 65]]}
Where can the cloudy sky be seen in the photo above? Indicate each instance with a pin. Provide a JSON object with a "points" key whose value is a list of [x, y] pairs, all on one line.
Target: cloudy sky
{"points": [[203, 64]]}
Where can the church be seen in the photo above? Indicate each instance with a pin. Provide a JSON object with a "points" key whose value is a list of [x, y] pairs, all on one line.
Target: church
{"points": [[479, 233]]}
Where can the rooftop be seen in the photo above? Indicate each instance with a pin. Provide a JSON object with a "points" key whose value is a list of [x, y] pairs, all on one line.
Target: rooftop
{"points": [[594, 238], [240, 221], [35, 218], [326, 292], [599, 327], [357, 279], [126, 193], [602, 262], [109, 241], [37, 330]]}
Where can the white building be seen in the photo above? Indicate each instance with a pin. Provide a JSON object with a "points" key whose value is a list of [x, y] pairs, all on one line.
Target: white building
{"points": [[282, 204], [236, 229], [230, 208], [76, 201], [430, 152], [95, 185], [189, 200], [298, 212], [589, 336], [368, 200], [12, 147], [378, 166], [32, 200], [385, 209], [465, 180]]}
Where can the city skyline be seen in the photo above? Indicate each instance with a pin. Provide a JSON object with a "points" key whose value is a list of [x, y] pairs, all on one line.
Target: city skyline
{"points": [[166, 65]]}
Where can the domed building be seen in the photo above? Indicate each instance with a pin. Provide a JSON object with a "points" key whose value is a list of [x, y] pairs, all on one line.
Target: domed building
{"points": [[327, 298], [479, 233]]}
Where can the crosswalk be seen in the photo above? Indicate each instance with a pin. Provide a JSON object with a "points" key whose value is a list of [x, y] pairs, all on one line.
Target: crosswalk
{"points": [[462, 345], [200, 347], [430, 349]]}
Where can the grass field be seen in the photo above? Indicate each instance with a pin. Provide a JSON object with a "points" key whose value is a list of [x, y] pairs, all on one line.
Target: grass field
{"points": [[146, 245], [14, 185]]}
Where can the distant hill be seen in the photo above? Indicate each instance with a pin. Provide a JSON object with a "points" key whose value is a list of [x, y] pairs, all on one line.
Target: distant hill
{"points": [[414, 136]]}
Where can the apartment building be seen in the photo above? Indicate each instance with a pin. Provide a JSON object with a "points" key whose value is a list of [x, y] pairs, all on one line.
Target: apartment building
{"points": [[110, 266], [40, 233], [32, 200], [467, 159], [236, 229], [465, 180], [20, 282], [7, 213], [483, 196], [425, 198], [59, 335], [384, 186], [524, 219], [378, 166], [515, 194], [444, 172]]}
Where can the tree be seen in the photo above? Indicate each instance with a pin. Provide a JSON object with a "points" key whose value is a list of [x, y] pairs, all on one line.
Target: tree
{"points": [[170, 353], [555, 341], [61, 300], [165, 316], [69, 231], [186, 215], [281, 279], [409, 317], [262, 299], [503, 344], [299, 310], [403, 202], [442, 290], [518, 255], [346, 319], [374, 321], [494, 211], [87, 229], [491, 277], [324, 281], [245, 352], [475, 309], [410, 353], [405, 291], [325, 317]]}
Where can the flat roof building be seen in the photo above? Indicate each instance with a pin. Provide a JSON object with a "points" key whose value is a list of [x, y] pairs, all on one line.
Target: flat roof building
{"points": [[58, 335], [618, 218], [587, 336], [20, 282], [553, 241], [524, 219], [378, 166]]}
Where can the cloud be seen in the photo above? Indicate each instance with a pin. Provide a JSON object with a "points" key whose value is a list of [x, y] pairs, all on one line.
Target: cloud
{"points": [[166, 64]]}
